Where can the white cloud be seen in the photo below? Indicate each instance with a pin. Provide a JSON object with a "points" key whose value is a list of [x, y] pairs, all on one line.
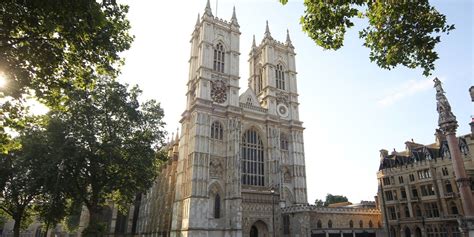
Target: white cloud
{"points": [[405, 90]]}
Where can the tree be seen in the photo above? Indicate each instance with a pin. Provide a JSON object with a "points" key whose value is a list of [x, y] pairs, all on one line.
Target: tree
{"points": [[330, 199], [23, 175], [319, 203], [48, 48], [398, 32], [106, 142]]}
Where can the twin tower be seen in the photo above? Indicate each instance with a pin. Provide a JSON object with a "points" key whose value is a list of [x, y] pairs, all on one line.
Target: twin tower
{"points": [[240, 156]]}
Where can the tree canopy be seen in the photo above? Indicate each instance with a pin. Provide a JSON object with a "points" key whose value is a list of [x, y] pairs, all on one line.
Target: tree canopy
{"points": [[107, 142], [48, 48], [398, 32], [330, 199]]}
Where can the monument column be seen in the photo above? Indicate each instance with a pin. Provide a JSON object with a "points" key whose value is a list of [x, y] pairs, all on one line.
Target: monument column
{"points": [[448, 124]]}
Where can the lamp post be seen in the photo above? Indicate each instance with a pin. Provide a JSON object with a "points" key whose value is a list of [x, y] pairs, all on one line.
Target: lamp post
{"points": [[272, 191]]}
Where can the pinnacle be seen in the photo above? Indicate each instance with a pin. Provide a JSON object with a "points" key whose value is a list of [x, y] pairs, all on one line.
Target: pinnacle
{"points": [[234, 18], [267, 31], [207, 10], [253, 42]]}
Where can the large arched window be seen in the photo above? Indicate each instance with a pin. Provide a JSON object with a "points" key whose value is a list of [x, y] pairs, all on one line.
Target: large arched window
{"points": [[217, 206], [216, 131], [219, 58], [280, 77], [252, 159]]}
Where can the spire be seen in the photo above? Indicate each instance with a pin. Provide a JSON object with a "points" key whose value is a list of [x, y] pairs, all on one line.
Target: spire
{"points": [[198, 20], [288, 40], [253, 42], [207, 10], [267, 32], [234, 18], [177, 135]]}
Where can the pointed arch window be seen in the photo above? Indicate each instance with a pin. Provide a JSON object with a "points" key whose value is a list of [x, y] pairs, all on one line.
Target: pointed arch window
{"points": [[252, 159], [371, 224], [280, 77], [217, 206], [361, 224], [219, 58], [319, 224], [216, 131], [283, 141], [351, 224], [329, 224]]}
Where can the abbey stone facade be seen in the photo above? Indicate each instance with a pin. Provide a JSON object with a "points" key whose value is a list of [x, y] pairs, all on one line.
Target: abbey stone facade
{"points": [[239, 157]]}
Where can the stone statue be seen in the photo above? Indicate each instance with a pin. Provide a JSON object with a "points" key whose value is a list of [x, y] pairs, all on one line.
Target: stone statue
{"points": [[447, 120]]}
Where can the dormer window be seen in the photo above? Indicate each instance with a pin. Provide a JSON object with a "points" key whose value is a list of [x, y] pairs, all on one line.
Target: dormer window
{"points": [[280, 77], [219, 58]]}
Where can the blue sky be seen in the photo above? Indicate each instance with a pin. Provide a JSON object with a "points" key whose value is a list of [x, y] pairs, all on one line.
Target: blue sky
{"points": [[351, 108]]}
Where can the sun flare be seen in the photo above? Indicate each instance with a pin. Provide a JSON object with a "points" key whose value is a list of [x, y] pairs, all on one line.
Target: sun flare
{"points": [[3, 80]]}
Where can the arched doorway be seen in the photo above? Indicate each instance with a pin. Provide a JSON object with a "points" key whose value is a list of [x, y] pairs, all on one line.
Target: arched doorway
{"points": [[253, 231], [417, 232], [259, 229], [407, 232]]}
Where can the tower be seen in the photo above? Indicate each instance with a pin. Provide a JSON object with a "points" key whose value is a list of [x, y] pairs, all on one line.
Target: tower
{"points": [[241, 156], [207, 197]]}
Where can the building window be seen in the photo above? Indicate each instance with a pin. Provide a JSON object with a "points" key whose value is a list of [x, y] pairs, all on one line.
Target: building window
{"points": [[392, 213], [217, 206], [252, 159], [445, 171], [283, 142], [361, 224], [454, 208], [388, 195], [400, 179], [371, 224], [412, 178], [386, 181], [424, 174], [414, 192], [329, 224], [258, 81], [280, 77], [431, 209], [351, 224], [319, 224], [403, 193], [427, 190], [219, 58], [407, 212], [216, 131], [286, 224], [449, 188]]}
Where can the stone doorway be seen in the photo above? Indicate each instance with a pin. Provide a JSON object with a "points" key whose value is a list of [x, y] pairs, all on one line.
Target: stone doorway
{"points": [[407, 232], [259, 229]]}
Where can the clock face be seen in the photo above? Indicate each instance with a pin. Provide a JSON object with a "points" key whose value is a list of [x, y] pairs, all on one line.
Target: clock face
{"points": [[282, 110], [218, 91]]}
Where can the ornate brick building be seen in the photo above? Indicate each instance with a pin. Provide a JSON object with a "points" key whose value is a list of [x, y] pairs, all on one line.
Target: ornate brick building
{"points": [[418, 190]]}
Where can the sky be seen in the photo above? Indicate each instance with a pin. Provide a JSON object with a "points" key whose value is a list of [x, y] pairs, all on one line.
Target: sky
{"points": [[350, 108]]}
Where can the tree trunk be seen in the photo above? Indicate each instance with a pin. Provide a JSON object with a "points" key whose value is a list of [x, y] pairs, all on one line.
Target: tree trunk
{"points": [[16, 226], [95, 227]]}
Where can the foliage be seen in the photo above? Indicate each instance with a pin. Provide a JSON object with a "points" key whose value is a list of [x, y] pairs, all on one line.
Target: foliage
{"points": [[398, 32], [23, 173], [330, 199], [106, 141], [319, 203], [48, 48]]}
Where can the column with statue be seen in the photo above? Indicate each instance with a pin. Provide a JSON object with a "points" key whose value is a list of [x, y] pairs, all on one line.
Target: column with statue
{"points": [[448, 124]]}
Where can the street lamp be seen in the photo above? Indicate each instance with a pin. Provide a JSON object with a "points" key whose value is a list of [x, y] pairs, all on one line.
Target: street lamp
{"points": [[272, 191]]}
